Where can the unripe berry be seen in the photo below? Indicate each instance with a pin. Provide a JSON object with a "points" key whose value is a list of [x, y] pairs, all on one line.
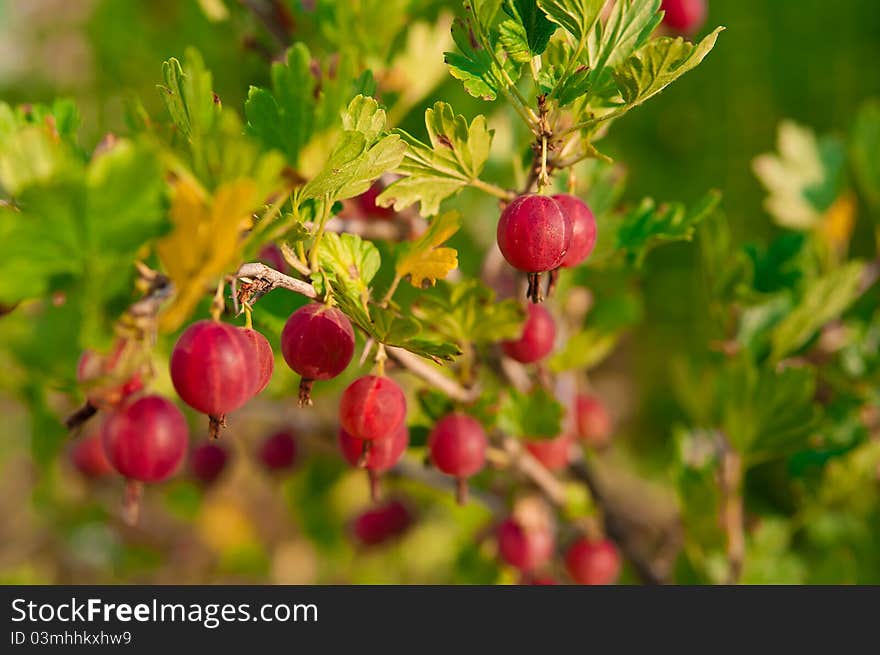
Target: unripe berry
{"points": [[534, 234], [146, 439], [593, 421], [381, 455], [583, 229], [213, 368], [383, 523], [526, 549], [684, 16], [279, 451], [262, 359], [538, 336], [317, 342], [372, 407], [593, 562], [458, 448], [105, 384], [207, 461], [88, 456], [554, 454]]}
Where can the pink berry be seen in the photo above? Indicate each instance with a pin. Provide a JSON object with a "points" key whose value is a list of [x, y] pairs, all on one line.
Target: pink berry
{"points": [[382, 453], [317, 342], [522, 548], [88, 456], [583, 229], [372, 407], [593, 421], [279, 451], [534, 234], [382, 523], [554, 454], [538, 336], [262, 359], [684, 16], [212, 368], [270, 254], [100, 375], [458, 448], [207, 461], [368, 207], [146, 439], [593, 562]]}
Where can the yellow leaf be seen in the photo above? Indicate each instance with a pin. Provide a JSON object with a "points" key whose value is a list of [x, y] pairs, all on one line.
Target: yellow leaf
{"points": [[839, 221], [205, 243], [425, 259]]}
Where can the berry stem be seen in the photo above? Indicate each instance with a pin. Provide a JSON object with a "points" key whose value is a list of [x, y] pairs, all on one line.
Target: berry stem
{"points": [[131, 503], [461, 491], [218, 305], [375, 488]]}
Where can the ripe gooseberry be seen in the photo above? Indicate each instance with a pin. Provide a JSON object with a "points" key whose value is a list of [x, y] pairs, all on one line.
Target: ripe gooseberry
{"points": [[317, 342], [214, 369], [145, 439], [263, 359], [457, 444], [378, 525], [208, 461], [583, 229], [534, 235], [593, 562], [108, 379], [279, 451], [88, 456], [367, 206], [537, 338], [525, 548], [684, 16], [372, 407], [380, 456], [554, 454], [593, 421]]}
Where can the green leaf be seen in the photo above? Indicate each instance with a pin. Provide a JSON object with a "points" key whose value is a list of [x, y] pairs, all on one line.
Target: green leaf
{"points": [[284, 118], [628, 26], [583, 350], [348, 265], [532, 415], [360, 156], [473, 65], [432, 172], [767, 413], [512, 36], [535, 26], [647, 224], [85, 227], [657, 64], [188, 95], [467, 312], [577, 17], [824, 300], [395, 329], [424, 259], [864, 148]]}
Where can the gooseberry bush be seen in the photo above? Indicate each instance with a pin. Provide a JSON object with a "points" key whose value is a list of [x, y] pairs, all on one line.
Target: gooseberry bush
{"points": [[426, 303]]}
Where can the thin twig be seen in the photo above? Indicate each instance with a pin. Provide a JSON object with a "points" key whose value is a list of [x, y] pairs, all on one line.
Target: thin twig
{"points": [[268, 278], [421, 368], [732, 515], [616, 526]]}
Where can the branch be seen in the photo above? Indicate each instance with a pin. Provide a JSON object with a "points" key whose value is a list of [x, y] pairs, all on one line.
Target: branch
{"points": [[732, 512], [617, 527], [421, 368], [261, 279]]}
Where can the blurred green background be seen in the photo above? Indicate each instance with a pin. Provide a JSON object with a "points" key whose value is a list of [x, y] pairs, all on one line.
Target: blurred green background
{"points": [[808, 60]]}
